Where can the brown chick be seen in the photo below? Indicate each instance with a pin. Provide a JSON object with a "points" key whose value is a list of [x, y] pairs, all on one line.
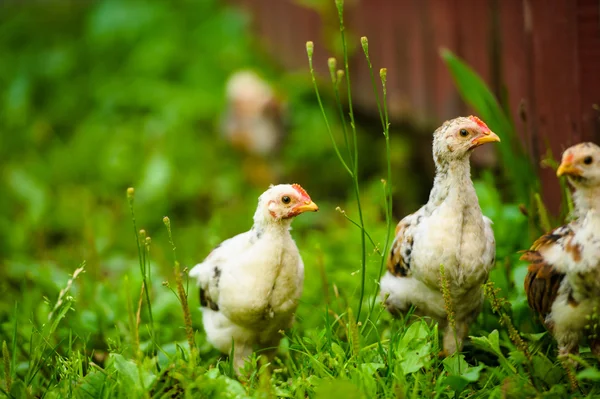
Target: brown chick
{"points": [[563, 279]]}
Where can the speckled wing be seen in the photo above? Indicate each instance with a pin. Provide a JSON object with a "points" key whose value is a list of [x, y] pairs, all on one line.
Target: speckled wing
{"points": [[208, 273], [399, 259], [543, 279]]}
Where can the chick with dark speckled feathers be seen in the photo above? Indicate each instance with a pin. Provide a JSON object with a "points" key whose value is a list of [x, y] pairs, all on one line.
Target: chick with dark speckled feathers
{"points": [[449, 230], [563, 279]]}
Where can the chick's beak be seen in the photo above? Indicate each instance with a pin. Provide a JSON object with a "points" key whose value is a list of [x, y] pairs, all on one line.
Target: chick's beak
{"points": [[567, 168], [308, 206], [490, 137]]}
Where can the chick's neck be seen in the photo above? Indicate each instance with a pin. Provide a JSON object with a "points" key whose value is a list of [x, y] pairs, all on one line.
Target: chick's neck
{"points": [[453, 180], [586, 199], [265, 222]]}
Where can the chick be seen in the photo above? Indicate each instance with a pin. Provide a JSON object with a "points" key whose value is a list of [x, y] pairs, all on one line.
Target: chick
{"points": [[563, 279], [254, 124], [250, 284], [449, 230]]}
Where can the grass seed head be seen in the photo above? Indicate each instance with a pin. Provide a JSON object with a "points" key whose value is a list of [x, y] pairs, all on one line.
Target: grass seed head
{"points": [[365, 45], [310, 47], [383, 75], [332, 63], [6, 358], [448, 305]]}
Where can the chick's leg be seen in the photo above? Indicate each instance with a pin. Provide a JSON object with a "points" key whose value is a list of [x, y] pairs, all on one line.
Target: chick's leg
{"points": [[567, 340], [242, 350], [454, 337]]}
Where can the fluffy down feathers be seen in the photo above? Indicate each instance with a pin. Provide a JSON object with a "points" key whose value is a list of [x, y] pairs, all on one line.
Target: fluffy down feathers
{"points": [[563, 279], [250, 284], [449, 230]]}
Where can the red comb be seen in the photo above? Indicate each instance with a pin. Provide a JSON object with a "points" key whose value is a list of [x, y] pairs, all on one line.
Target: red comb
{"points": [[569, 158], [480, 123], [302, 191]]}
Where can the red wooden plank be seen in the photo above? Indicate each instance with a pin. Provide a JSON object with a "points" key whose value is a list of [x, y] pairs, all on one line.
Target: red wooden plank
{"points": [[416, 59], [514, 62], [473, 22], [588, 46], [399, 67], [556, 84], [444, 20]]}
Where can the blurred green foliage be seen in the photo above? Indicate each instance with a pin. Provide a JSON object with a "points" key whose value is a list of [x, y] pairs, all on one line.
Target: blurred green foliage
{"points": [[100, 96], [103, 96]]}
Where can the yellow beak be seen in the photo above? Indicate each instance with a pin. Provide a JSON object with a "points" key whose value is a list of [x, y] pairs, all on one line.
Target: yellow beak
{"points": [[567, 168], [308, 206], [491, 137]]}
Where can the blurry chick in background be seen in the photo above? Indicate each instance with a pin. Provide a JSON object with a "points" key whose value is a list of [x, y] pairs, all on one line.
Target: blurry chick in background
{"points": [[254, 125]]}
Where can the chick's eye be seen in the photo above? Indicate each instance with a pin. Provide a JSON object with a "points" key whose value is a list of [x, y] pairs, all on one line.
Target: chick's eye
{"points": [[285, 199], [587, 160], [464, 132]]}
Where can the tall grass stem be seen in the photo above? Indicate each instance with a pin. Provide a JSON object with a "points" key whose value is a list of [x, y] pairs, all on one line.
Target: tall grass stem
{"points": [[141, 257]]}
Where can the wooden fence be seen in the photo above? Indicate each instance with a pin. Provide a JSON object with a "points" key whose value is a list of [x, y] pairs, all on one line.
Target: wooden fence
{"points": [[544, 53]]}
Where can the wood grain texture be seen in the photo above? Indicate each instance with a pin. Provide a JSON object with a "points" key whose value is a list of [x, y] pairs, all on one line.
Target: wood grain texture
{"points": [[544, 55]]}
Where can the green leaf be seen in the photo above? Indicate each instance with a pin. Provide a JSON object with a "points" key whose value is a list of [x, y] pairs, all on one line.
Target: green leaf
{"points": [[370, 368], [414, 348], [460, 373], [338, 389], [129, 373], [456, 382], [91, 386], [412, 361], [364, 376], [546, 371], [213, 384], [339, 352], [591, 374], [455, 364], [18, 390], [491, 343], [472, 373], [417, 332]]}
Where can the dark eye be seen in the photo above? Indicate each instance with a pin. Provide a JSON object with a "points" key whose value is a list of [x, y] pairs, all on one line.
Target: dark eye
{"points": [[464, 132], [587, 160], [285, 199]]}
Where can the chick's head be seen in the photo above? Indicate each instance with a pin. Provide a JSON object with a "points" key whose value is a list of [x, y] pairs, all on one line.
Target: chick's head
{"points": [[283, 202], [581, 164], [456, 138]]}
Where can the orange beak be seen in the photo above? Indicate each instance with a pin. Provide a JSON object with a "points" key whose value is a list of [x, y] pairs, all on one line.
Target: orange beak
{"points": [[567, 168], [308, 206], [488, 137]]}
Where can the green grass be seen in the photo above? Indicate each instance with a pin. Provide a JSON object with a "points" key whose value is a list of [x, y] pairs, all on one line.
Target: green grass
{"points": [[99, 99]]}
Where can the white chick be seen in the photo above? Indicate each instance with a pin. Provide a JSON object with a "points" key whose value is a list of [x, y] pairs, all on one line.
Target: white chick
{"points": [[449, 230], [250, 284]]}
